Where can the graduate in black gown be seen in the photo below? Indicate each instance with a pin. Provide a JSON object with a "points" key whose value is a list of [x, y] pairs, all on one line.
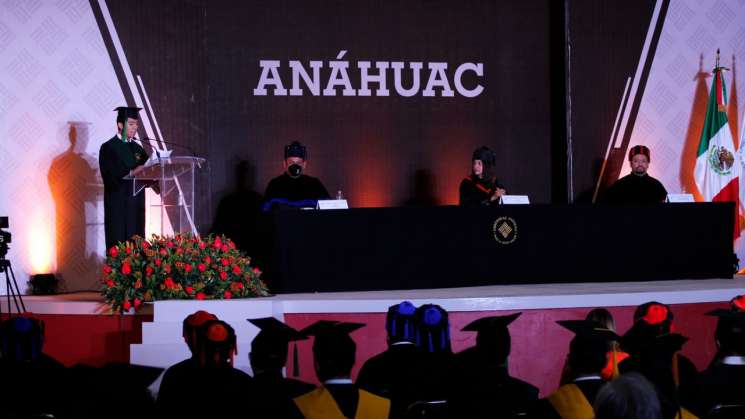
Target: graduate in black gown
{"points": [[124, 214], [586, 360], [724, 381], [214, 375], [653, 353], [638, 187], [268, 357], [172, 390], [33, 383], [395, 373], [481, 187], [481, 383], [334, 356], [293, 187]]}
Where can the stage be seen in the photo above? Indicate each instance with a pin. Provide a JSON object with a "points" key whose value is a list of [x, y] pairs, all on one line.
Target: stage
{"points": [[80, 328]]}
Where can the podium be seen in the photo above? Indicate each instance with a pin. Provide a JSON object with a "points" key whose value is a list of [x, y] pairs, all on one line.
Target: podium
{"points": [[176, 178]]}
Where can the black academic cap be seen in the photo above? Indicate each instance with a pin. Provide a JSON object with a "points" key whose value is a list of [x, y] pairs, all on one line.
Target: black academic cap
{"points": [[276, 330], [645, 337], [124, 112], [491, 322], [589, 329], [296, 149], [131, 374], [727, 314]]}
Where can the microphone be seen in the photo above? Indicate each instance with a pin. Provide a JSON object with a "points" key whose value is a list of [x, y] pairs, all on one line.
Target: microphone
{"points": [[186, 147]]}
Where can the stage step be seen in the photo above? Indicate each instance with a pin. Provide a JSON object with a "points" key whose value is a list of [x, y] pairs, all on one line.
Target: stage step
{"points": [[162, 341]]}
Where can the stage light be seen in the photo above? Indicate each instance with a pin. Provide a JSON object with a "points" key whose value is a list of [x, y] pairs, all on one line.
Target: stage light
{"points": [[43, 284], [40, 243]]}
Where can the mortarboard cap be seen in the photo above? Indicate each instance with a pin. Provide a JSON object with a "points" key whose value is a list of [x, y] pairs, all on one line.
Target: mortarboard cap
{"points": [[124, 112], [130, 374], [276, 330], [272, 340], [400, 323], [491, 322], [486, 155], [589, 329], [737, 303], [323, 328]]}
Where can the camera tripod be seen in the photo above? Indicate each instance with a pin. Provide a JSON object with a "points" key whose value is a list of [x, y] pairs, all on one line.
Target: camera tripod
{"points": [[10, 281]]}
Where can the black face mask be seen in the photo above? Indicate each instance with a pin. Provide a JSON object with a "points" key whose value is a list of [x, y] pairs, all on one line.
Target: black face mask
{"points": [[295, 170]]}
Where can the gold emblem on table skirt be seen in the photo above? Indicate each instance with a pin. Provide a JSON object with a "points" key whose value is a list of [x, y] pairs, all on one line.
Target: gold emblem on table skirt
{"points": [[505, 230]]}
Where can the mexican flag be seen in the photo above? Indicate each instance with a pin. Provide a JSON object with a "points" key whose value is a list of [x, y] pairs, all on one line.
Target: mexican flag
{"points": [[717, 168]]}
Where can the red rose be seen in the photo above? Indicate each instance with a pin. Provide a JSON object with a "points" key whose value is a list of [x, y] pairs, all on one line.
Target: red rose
{"points": [[169, 283], [228, 295], [145, 245], [189, 289], [257, 271], [167, 268], [158, 262], [217, 244], [237, 270], [201, 267], [223, 275], [207, 260], [169, 245], [148, 271], [110, 283], [232, 245], [202, 245], [126, 305], [113, 252], [128, 250], [200, 296], [187, 268], [163, 252], [225, 262], [126, 269], [179, 251], [224, 248], [137, 302], [239, 285], [106, 269]]}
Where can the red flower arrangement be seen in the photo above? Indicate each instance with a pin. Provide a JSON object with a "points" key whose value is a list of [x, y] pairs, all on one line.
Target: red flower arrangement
{"points": [[179, 267]]}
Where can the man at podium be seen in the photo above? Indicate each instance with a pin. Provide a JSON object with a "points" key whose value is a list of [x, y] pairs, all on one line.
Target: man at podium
{"points": [[293, 187], [124, 214]]}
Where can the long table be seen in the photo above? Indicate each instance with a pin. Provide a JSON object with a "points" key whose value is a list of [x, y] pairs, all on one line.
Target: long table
{"points": [[441, 247]]}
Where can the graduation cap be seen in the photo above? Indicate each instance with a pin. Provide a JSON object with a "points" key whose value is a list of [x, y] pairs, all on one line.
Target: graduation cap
{"points": [[493, 335], [131, 374], [270, 344], [191, 326], [124, 112], [737, 303], [645, 337], [486, 155], [296, 149], [218, 343], [433, 329], [330, 328], [400, 322], [588, 329], [730, 331]]}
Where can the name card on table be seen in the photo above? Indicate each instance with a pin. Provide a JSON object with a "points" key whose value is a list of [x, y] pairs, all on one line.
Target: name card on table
{"points": [[680, 197], [514, 200], [325, 204]]}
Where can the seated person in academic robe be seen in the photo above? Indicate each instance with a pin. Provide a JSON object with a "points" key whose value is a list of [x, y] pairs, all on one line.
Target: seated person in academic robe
{"points": [[395, 372], [215, 375], [481, 386], [587, 357], [481, 187], [32, 383], [637, 187], [433, 340], [268, 357], [723, 383], [333, 356], [124, 213], [654, 355], [293, 188], [171, 389], [655, 319], [630, 396]]}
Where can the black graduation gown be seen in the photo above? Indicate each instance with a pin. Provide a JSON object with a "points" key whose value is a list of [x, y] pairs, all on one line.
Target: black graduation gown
{"points": [[35, 387], [633, 189], [124, 214], [475, 192], [275, 393], [718, 384], [543, 409], [181, 394], [295, 189], [480, 388], [394, 374]]}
